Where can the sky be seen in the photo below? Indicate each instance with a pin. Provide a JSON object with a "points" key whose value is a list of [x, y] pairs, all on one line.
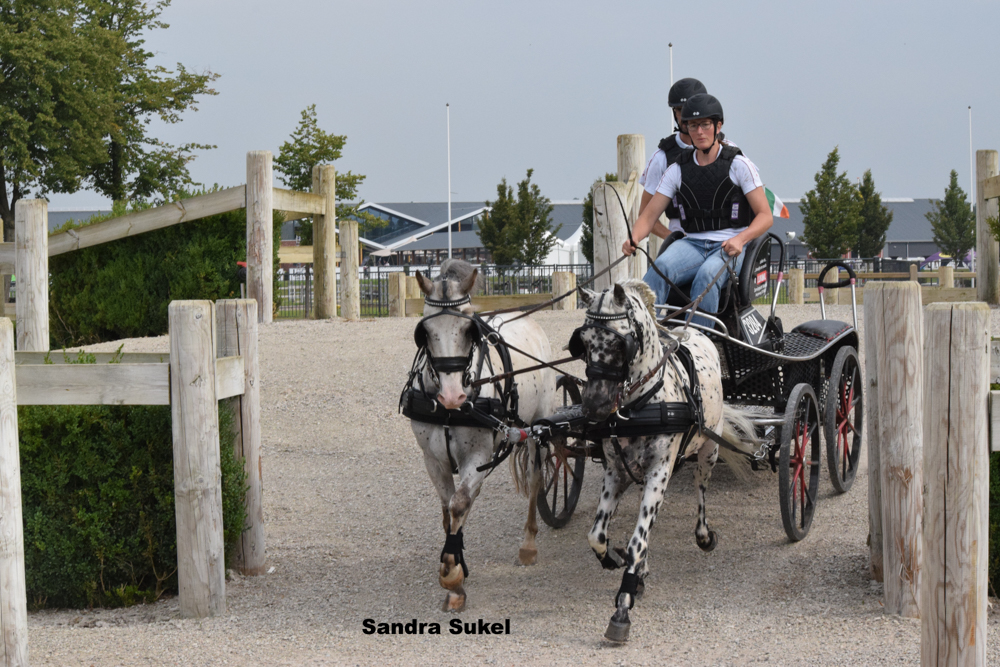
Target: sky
{"points": [[550, 85]]}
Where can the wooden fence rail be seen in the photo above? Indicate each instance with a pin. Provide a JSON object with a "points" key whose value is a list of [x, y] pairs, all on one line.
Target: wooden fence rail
{"points": [[28, 257], [213, 357]]}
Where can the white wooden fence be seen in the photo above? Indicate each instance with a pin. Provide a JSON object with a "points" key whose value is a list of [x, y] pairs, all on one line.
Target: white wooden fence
{"points": [[213, 357]]}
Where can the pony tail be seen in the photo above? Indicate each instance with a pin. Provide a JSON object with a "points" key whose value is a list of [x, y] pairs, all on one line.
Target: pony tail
{"points": [[519, 462]]}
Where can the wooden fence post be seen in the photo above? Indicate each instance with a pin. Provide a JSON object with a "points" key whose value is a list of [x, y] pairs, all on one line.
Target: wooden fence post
{"points": [[260, 233], [350, 304], [609, 234], [914, 273], [956, 477], [324, 182], [13, 596], [898, 324], [873, 305], [987, 249], [412, 292], [31, 266], [397, 294], [632, 158], [194, 411], [562, 282], [797, 287], [946, 276], [236, 323]]}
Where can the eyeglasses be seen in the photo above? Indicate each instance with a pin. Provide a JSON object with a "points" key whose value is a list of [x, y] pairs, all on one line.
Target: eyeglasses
{"points": [[699, 125]]}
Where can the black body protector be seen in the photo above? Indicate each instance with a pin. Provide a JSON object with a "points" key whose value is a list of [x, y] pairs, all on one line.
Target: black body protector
{"points": [[672, 150], [707, 199]]}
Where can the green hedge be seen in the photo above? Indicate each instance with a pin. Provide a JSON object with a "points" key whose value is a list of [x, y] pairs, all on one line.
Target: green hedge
{"points": [[97, 486], [122, 289]]}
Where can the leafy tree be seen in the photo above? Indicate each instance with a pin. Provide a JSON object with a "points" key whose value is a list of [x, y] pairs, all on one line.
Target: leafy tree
{"points": [[136, 165], [587, 242], [952, 221], [874, 222], [55, 99], [518, 229], [309, 146], [831, 211]]}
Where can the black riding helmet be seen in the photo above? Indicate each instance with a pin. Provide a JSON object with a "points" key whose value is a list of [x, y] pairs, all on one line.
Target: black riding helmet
{"points": [[684, 89], [700, 107], [679, 94]]}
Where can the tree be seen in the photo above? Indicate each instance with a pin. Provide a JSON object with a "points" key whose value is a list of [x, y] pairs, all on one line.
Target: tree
{"points": [[55, 99], [518, 229], [952, 221], [309, 146], [587, 241], [874, 222], [831, 211], [135, 165]]}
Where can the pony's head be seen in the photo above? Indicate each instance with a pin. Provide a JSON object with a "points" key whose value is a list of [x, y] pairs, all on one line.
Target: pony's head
{"points": [[618, 341], [448, 331]]}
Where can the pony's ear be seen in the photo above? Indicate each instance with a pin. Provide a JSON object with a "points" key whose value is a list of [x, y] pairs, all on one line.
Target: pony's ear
{"points": [[469, 284], [620, 297], [587, 296], [426, 286]]}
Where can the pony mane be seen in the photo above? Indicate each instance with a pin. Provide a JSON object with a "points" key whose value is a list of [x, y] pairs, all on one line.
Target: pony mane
{"points": [[644, 292]]}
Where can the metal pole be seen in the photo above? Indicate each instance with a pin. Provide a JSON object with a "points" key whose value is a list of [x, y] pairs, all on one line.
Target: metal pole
{"points": [[448, 114], [972, 163], [671, 47]]}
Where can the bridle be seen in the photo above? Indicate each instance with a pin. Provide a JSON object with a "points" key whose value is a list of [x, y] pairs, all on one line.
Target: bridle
{"points": [[480, 334], [633, 343]]}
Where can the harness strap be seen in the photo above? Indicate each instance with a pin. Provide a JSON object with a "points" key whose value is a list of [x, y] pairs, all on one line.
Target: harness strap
{"points": [[630, 585], [621, 457], [453, 545]]}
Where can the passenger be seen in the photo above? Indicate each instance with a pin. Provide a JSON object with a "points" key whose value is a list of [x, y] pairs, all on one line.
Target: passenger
{"points": [[721, 203], [668, 150]]}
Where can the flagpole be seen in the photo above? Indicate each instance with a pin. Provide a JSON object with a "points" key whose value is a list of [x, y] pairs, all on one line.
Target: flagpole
{"points": [[670, 45], [972, 163], [448, 115]]}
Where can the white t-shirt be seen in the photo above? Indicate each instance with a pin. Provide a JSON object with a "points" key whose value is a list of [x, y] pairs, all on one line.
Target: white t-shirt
{"points": [[653, 173], [743, 172]]}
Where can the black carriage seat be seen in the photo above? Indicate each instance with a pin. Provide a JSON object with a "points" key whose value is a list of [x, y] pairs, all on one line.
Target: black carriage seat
{"points": [[826, 330]]}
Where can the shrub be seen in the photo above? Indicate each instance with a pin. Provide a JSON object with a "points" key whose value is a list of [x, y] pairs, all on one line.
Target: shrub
{"points": [[122, 289], [97, 486]]}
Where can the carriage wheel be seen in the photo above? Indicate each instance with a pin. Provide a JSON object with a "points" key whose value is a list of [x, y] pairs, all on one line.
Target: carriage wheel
{"points": [[844, 418], [562, 470], [798, 464]]}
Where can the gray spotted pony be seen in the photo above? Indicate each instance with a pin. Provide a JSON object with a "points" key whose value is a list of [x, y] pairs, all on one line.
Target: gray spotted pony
{"points": [[630, 373], [455, 348]]}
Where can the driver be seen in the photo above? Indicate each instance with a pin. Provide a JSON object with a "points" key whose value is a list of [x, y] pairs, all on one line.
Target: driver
{"points": [[668, 150], [721, 203]]}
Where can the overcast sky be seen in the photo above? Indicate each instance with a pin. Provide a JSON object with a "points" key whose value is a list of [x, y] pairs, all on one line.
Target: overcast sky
{"points": [[550, 85]]}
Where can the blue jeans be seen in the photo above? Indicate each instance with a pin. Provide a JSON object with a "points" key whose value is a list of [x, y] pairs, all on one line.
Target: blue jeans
{"points": [[694, 262]]}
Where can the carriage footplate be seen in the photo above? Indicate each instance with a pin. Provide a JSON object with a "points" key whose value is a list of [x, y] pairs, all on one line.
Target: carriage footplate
{"points": [[454, 546]]}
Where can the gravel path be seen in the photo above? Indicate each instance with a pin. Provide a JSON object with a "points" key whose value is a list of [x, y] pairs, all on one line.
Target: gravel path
{"points": [[354, 532]]}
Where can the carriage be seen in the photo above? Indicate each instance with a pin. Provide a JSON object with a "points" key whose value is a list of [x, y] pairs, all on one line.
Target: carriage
{"points": [[797, 383]]}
